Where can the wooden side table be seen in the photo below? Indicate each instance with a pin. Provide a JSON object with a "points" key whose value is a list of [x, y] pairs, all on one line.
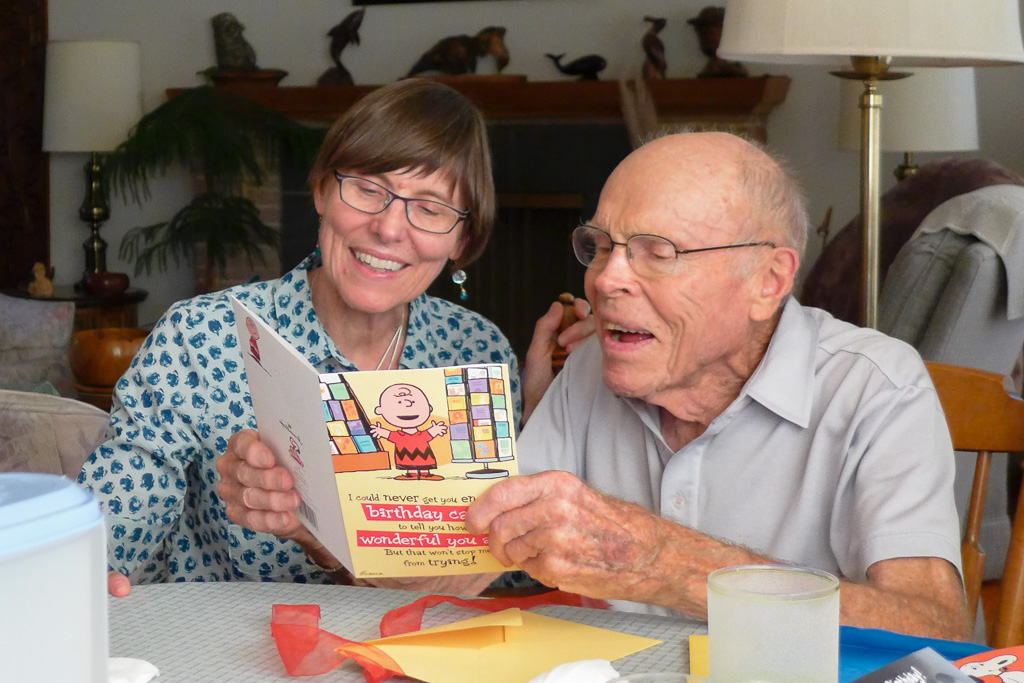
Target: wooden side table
{"points": [[96, 312]]}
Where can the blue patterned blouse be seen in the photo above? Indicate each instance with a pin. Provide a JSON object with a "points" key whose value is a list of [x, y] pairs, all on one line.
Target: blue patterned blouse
{"points": [[185, 394]]}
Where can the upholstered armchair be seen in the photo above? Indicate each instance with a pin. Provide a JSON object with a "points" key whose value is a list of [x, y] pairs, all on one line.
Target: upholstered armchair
{"points": [[955, 291]]}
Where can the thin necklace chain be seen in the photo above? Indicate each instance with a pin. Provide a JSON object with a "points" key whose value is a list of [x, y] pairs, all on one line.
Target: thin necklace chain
{"points": [[392, 350]]}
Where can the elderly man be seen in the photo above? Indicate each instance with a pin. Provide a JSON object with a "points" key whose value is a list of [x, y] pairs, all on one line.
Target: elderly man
{"points": [[714, 421]]}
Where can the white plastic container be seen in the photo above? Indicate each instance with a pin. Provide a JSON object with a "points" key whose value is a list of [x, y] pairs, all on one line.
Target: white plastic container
{"points": [[53, 592]]}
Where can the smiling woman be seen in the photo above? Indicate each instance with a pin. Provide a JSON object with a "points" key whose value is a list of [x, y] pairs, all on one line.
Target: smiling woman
{"points": [[403, 186]]}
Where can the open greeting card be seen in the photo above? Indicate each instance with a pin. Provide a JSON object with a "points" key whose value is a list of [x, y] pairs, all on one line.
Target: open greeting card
{"points": [[386, 462]]}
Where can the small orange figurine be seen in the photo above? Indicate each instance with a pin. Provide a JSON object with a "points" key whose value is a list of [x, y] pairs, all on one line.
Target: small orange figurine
{"points": [[41, 286]]}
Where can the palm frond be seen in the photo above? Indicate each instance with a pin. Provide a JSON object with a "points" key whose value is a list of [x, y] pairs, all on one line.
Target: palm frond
{"points": [[227, 226], [220, 131]]}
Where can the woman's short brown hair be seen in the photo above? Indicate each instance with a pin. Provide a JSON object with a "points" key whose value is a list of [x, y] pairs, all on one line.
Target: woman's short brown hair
{"points": [[423, 125]]}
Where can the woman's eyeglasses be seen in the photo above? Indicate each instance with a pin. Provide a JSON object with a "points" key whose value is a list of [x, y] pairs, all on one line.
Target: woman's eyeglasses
{"points": [[423, 214]]}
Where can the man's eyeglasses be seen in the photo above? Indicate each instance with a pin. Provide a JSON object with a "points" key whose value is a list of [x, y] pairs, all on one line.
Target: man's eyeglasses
{"points": [[649, 255], [423, 214]]}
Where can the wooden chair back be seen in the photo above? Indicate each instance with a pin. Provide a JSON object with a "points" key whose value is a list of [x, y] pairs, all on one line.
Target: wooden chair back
{"points": [[985, 417]]}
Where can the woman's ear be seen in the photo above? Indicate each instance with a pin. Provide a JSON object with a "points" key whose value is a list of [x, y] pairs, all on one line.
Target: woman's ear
{"points": [[319, 200], [460, 246]]}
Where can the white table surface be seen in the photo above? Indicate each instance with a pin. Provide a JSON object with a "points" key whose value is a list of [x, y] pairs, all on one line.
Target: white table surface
{"points": [[220, 632]]}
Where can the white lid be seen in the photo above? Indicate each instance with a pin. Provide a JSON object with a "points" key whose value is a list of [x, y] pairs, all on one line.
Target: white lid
{"points": [[38, 509]]}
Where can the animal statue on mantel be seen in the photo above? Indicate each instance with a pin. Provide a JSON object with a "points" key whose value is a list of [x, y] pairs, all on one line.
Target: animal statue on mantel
{"points": [[586, 67], [458, 54], [654, 49], [708, 25], [233, 51], [347, 31]]}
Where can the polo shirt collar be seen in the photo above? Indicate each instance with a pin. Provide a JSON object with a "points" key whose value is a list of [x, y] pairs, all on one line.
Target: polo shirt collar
{"points": [[784, 380]]}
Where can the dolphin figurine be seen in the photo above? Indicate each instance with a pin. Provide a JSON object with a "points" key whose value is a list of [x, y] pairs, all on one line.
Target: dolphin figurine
{"points": [[347, 31]]}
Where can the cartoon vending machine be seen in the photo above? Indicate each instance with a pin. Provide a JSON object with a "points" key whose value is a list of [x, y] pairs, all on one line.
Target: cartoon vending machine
{"points": [[481, 420]]}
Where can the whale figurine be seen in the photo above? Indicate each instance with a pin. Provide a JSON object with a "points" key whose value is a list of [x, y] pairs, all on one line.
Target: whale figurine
{"points": [[586, 67]]}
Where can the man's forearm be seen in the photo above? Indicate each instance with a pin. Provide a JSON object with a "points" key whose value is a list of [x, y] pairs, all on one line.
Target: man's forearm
{"points": [[920, 596]]}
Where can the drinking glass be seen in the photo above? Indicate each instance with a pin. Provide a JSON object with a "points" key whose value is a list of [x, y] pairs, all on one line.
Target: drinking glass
{"points": [[773, 624]]}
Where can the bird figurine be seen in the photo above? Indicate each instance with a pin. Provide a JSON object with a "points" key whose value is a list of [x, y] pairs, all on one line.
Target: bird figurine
{"points": [[458, 54], [654, 64], [233, 51], [586, 67], [341, 35], [708, 25]]}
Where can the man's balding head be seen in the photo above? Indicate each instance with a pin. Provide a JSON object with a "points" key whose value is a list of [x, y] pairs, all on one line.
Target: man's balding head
{"points": [[671, 323], [763, 197]]}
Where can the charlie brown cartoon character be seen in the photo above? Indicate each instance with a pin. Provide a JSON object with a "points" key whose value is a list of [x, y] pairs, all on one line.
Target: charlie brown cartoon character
{"points": [[254, 335], [407, 407]]}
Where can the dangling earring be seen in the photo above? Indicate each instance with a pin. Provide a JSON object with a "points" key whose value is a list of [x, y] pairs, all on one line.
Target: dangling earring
{"points": [[319, 254], [459, 278]]}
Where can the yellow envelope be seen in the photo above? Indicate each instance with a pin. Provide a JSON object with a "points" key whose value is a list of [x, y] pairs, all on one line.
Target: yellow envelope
{"points": [[510, 646]]}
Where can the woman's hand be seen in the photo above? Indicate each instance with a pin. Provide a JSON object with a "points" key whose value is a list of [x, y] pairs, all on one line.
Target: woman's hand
{"points": [[260, 495], [118, 584], [538, 373]]}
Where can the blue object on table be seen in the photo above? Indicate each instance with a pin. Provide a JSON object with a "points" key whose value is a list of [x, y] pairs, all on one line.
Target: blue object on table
{"points": [[862, 650]]}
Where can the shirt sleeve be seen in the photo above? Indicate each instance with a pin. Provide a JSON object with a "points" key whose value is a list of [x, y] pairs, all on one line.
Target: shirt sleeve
{"points": [[895, 495], [140, 473]]}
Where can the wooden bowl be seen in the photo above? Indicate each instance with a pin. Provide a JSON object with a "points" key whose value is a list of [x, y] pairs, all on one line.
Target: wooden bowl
{"points": [[100, 357], [105, 284]]}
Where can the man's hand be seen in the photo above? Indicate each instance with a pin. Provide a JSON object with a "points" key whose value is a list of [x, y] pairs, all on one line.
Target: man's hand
{"points": [[437, 429], [538, 374], [567, 535]]}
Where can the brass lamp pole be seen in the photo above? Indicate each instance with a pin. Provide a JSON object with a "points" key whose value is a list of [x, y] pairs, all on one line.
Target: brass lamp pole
{"points": [[870, 70]]}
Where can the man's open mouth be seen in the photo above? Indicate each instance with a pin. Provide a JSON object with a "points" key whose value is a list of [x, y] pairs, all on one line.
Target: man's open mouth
{"points": [[622, 334]]}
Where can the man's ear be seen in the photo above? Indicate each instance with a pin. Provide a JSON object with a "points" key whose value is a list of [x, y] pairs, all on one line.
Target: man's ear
{"points": [[376, 411], [773, 282]]}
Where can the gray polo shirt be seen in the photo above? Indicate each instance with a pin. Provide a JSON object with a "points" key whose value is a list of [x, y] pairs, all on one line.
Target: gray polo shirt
{"points": [[835, 454]]}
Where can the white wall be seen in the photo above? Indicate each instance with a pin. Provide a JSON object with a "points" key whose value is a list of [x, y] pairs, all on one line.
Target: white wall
{"points": [[177, 41]]}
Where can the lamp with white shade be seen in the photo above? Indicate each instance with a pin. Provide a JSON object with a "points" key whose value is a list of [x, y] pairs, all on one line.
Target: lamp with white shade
{"points": [[935, 111], [870, 35], [93, 97]]}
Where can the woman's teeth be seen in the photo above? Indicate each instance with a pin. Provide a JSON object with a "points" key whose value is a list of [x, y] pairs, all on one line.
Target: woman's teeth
{"points": [[378, 263]]}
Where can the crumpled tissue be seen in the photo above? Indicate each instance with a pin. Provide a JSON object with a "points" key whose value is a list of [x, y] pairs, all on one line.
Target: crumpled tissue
{"points": [[126, 670], [584, 671]]}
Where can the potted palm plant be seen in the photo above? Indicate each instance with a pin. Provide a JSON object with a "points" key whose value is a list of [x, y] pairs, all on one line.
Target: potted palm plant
{"points": [[226, 138]]}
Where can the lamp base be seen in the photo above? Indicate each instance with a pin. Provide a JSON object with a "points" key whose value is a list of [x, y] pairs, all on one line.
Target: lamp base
{"points": [[94, 210]]}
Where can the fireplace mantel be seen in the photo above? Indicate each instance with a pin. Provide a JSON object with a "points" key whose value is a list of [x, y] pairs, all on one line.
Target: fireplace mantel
{"points": [[743, 102]]}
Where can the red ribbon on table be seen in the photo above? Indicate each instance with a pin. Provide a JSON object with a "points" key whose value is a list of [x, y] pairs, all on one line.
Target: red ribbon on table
{"points": [[308, 650]]}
